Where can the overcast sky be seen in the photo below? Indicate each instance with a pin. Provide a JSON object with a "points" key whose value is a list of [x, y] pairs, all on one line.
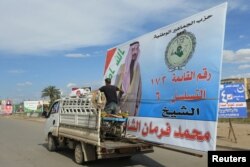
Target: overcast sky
{"points": [[64, 42]]}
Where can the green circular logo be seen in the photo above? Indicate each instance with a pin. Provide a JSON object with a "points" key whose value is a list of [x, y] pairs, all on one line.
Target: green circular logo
{"points": [[179, 50]]}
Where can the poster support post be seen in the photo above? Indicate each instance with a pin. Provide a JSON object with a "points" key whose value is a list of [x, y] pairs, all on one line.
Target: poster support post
{"points": [[231, 130]]}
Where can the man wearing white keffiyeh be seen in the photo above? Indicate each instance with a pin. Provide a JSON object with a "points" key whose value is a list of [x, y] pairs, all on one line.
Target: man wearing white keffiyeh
{"points": [[129, 80]]}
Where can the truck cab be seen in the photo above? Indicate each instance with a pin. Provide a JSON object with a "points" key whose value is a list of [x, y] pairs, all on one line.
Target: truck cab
{"points": [[52, 122]]}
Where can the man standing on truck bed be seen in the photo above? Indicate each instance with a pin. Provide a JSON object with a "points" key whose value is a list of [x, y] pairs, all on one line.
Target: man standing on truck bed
{"points": [[109, 91]]}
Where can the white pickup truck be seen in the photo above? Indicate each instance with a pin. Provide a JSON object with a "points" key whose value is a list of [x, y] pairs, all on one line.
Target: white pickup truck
{"points": [[77, 123]]}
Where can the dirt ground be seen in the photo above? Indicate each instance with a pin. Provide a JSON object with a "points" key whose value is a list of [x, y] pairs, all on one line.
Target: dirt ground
{"points": [[242, 134]]}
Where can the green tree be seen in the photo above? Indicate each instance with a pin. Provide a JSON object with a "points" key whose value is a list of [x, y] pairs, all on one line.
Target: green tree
{"points": [[52, 92]]}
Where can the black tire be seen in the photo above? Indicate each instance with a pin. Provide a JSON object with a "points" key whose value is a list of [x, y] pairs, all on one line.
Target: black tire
{"points": [[51, 143], [127, 157], [79, 157]]}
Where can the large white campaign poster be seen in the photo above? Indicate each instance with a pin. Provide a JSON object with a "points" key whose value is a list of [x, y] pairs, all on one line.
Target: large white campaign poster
{"points": [[170, 78], [33, 106]]}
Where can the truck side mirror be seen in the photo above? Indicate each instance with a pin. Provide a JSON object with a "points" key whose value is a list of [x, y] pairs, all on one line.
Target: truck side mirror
{"points": [[45, 114]]}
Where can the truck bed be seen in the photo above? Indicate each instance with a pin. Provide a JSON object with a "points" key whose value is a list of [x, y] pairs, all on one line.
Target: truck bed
{"points": [[123, 143], [122, 148]]}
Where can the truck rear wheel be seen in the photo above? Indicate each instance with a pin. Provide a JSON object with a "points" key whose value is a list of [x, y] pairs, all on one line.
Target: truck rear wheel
{"points": [[127, 157], [51, 143], [79, 157]]}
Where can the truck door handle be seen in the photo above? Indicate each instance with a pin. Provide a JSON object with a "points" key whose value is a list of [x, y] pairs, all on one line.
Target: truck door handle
{"points": [[54, 122]]}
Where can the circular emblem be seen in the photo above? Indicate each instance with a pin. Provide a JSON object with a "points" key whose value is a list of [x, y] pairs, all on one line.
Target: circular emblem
{"points": [[179, 50]]}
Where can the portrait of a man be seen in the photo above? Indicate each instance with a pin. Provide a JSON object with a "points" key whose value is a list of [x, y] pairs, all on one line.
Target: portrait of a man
{"points": [[129, 80]]}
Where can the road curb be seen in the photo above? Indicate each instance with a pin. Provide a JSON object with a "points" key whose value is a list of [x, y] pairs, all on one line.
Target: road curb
{"points": [[34, 119]]}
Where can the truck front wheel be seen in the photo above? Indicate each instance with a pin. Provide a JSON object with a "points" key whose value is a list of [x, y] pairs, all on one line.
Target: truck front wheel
{"points": [[79, 157], [51, 143]]}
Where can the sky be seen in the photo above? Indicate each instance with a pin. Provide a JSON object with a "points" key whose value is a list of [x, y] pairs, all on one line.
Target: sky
{"points": [[63, 43]]}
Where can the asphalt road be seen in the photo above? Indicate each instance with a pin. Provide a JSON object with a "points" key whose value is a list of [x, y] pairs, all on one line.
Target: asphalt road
{"points": [[22, 144]]}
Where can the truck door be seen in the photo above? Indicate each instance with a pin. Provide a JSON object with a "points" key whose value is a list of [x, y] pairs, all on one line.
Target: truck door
{"points": [[52, 121]]}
